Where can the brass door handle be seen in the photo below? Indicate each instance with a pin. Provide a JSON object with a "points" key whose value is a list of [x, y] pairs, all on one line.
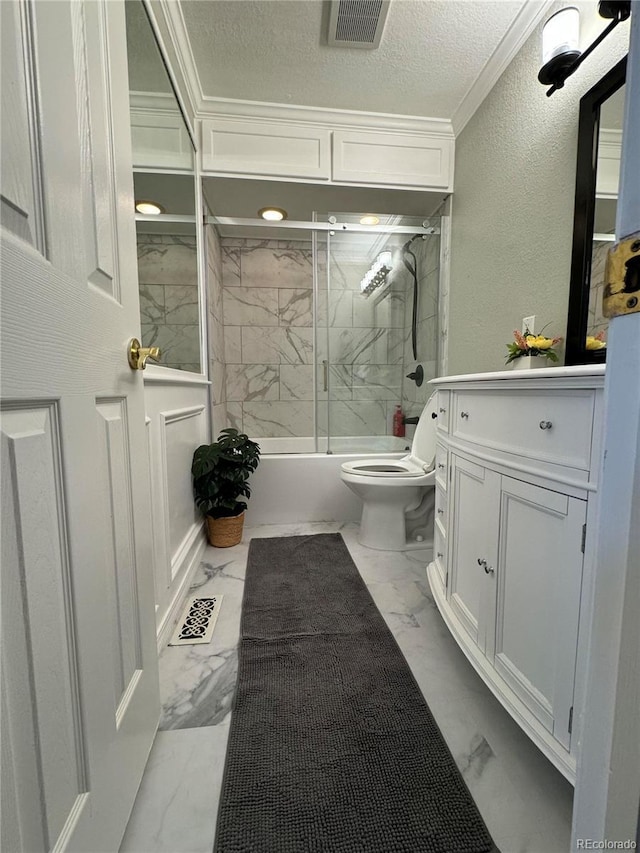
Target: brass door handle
{"points": [[137, 355]]}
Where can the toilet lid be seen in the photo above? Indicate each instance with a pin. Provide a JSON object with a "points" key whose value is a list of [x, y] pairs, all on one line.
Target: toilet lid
{"points": [[424, 440]]}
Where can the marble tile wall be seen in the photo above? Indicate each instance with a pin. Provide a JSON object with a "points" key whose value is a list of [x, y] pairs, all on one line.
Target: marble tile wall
{"points": [[216, 333], [168, 289], [262, 357], [427, 253], [269, 343]]}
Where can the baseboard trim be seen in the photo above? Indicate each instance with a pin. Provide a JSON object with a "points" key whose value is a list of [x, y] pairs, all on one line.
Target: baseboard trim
{"points": [[190, 555]]}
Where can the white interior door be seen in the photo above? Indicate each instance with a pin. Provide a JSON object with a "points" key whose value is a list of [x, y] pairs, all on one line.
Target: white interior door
{"points": [[79, 667]]}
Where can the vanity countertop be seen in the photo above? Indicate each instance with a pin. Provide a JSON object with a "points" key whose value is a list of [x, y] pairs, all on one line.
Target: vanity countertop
{"points": [[577, 371]]}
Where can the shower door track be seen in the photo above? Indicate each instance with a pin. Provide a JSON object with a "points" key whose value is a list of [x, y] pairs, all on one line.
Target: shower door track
{"points": [[343, 227]]}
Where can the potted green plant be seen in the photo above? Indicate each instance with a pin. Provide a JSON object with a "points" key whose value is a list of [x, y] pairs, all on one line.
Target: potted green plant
{"points": [[220, 477]]}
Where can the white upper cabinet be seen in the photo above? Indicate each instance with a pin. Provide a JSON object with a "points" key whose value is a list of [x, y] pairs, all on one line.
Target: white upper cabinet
{"points": [[392, 158], [158, 134], [321, 151], [267, 149]]}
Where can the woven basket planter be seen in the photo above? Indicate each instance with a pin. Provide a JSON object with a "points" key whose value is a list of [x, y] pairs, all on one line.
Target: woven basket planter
{"points": [[225, 532]]}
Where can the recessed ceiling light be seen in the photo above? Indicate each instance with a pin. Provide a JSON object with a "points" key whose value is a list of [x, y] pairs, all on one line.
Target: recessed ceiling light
{"points": [[273, 214], [370, 219], [149, 208]]}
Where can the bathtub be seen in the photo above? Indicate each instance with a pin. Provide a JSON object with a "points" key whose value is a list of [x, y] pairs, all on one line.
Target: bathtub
{"points": [[361, 444], [297, 486]]}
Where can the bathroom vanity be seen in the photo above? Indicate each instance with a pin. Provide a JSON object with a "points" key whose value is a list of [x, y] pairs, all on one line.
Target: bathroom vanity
{"points": [[517, 467]]}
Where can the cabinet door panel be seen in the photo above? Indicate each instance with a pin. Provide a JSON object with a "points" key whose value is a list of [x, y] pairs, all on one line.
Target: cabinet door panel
{"points": [[476, 501], [539, 576]]}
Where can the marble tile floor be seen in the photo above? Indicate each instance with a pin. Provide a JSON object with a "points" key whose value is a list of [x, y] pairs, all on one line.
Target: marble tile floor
{"points": [[525, 802]]}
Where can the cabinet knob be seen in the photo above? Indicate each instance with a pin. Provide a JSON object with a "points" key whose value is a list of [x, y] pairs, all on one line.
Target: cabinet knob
{"points": [[440, 510], [488, 569], [441, 465], [439, 554], [545, 424], [442, 411], [464, 414]]}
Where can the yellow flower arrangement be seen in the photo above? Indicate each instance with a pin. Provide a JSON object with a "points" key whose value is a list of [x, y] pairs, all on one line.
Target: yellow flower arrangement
{"points": [[595, 342], [529, 344]]}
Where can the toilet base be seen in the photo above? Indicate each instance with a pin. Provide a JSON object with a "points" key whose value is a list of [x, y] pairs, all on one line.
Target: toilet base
{"points": [[386, 527]]}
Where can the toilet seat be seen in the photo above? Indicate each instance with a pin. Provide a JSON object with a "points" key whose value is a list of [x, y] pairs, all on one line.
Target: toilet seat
{"points": [[376, 467], [419, 463]]}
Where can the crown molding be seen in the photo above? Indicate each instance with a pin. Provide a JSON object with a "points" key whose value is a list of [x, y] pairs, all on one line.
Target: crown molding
{"points": [[527, 19], [207, 107], [154, 102], [177, 29], [213, 107]]}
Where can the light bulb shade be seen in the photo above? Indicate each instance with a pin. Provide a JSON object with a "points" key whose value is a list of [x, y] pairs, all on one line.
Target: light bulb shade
{"points": [[149, 208], [560, 45], [273, 214]]}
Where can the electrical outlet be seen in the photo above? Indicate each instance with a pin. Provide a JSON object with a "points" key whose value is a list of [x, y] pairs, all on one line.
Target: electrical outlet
{"points": [[529, 323]]}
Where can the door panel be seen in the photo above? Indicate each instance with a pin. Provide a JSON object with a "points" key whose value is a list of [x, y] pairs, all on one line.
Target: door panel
{"points": [[539, 580], [20, 203], [78, 643], [40, 657], [476, 500], [120, 560]]}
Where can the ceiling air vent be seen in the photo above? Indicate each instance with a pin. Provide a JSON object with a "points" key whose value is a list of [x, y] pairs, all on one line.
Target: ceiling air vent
{"points": [[357, 23]]}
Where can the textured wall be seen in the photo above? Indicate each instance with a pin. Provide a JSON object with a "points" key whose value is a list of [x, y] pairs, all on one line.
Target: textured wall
{"points": [[512, 215]]}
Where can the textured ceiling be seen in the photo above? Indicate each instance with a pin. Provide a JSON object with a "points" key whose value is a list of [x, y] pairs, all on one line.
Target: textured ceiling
{"points": [[273, 50]]}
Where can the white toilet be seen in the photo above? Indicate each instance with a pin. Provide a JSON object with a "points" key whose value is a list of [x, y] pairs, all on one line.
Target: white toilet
{"points": [[398, 495]]}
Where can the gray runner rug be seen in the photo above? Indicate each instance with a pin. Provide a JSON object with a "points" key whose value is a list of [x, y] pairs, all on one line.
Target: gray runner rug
{"points": [[332, 747]]}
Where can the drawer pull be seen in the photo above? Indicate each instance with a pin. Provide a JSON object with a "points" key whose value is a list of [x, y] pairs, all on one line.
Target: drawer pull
{"points": [[464, 415], [545, 424], [488, 569]]}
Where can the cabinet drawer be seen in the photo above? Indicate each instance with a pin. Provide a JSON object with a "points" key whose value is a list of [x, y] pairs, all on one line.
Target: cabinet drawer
{"points": [[443, 411], [441, 508], [549, 426], [440, 553], [442, 466]]}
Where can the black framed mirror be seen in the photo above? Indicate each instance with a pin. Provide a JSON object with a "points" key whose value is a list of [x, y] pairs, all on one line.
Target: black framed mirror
{"points": [[597, 172]]}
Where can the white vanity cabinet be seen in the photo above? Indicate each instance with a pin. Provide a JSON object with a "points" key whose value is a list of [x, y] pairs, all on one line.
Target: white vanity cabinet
{"points": [[512, 565]]}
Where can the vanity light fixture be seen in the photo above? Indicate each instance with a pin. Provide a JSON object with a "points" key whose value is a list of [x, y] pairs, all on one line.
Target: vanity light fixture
{"points": [[370, 219], [273, 214], [561, 54], [377, 274], [149, 208]]}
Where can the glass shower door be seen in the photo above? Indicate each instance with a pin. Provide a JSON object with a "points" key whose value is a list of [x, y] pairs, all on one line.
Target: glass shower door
{"points": [[368, 309]]}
